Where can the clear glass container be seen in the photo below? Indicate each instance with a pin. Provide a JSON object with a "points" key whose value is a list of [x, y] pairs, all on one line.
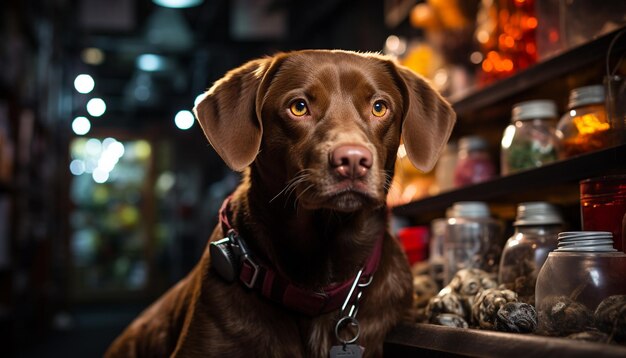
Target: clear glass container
{"points": [[473, 239], [536, 228], [585, 127], [444, 172], [577, 281], [436, 257], [530, 140], [474, 163]]}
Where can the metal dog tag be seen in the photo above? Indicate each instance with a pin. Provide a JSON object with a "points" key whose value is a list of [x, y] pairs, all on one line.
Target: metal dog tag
{"points": [[346, 351]]}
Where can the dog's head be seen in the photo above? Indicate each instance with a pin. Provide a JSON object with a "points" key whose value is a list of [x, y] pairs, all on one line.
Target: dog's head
{"points": [[324, 126]]}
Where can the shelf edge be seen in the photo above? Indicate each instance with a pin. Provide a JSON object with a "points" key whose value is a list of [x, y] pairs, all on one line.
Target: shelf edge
{"points": [[473, 342]]}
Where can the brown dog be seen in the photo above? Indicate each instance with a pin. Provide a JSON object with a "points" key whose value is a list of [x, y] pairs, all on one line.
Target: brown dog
{"points": [[316, 134]]}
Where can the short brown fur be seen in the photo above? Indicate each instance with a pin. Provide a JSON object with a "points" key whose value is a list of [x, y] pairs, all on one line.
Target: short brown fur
{"points": [[314, 226]]}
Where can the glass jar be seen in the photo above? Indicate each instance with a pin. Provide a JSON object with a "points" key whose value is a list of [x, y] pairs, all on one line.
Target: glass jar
{"points": [[473, 239], [603, 206], [577, 283], [436, 257], [585, 127], [530, 140], [444, 172], [536, 228], [474, 163]]}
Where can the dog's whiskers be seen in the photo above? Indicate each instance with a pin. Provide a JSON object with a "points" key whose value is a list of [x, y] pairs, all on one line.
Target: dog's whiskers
{"points": [[299, 178], [302, 193]]}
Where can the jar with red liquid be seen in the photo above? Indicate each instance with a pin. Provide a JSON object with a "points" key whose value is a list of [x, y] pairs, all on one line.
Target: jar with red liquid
{"points": [[603, 206], [474, 163]]}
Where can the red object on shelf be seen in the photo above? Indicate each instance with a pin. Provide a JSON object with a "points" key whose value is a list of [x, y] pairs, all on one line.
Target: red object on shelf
{"points": [[603, 207], [414, 240]]}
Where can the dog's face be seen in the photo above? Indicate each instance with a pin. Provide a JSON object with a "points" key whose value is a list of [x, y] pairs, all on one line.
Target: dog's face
{"points": [[324, 126]]}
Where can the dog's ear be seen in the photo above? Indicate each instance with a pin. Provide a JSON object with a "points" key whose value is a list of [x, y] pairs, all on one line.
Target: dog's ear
{"points": [[428, 121], [229, 112]]}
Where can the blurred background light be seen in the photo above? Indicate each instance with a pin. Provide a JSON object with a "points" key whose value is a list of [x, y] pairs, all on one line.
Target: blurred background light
{"points": [[100, 175], [150, 62], [96, 107], [84, 83], [184, 119], [178, 4], [92, 56], [77, 167], [81, 125], [199, 98], [93, 147]]}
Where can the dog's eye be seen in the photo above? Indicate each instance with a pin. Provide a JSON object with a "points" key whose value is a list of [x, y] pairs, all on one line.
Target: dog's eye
{"points": [[379, 108], [298, 108]]}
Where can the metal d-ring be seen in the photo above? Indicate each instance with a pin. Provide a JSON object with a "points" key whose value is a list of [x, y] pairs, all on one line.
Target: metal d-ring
{"points": [[365, 284], [345, 321]]}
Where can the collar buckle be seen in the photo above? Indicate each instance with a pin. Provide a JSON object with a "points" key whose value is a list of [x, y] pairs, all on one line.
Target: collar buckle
{"points": [[247, 260]]}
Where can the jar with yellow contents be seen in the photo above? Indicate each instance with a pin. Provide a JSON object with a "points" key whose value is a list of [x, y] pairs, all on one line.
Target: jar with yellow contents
{"points": [[585, 127]]}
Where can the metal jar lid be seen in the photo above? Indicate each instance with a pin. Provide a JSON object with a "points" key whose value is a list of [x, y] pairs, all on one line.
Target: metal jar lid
{"points": [[586, 95], [472, 143], [541, 108], [585, 241], [469, 209], [537, 213]]}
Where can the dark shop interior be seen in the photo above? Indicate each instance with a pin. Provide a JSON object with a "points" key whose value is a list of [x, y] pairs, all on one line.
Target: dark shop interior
{"points": [[109, 189]]}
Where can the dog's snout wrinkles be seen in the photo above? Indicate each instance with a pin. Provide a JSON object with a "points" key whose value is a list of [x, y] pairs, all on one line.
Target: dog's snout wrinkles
{"points": [[351, 161]]}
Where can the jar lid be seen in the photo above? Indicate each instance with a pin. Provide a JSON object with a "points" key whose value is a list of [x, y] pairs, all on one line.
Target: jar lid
{"points": [[585, 241], [469, 209], [472, 143], [542, 108], [537, 213], [586, 95]]}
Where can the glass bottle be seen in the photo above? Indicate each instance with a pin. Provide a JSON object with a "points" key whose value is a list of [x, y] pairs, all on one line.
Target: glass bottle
{"points": [[536, 228], [530, 140], [585, 127], [473, 239], [581, 286], [474, 163]]}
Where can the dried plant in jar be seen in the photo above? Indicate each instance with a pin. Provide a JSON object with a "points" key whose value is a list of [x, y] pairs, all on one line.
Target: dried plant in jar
{"points": [[610, 317], [561, 316]]}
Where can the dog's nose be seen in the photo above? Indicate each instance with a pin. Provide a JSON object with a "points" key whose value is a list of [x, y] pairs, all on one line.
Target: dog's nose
{"points": [[351, 161]]}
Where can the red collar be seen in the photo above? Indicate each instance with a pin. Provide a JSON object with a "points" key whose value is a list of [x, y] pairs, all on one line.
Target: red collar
{"points": [[278, 288]]}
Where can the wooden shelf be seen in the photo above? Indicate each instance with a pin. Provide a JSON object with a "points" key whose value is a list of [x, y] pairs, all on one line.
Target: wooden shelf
{"points": [[544, 178], [431, 340], [540, 73]]}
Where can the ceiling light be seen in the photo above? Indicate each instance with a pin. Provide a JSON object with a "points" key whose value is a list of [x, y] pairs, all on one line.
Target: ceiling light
{"points": [[184, 120], [81, 125], [178, 4], [84, 83], [96, 107], [167, 30]]}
